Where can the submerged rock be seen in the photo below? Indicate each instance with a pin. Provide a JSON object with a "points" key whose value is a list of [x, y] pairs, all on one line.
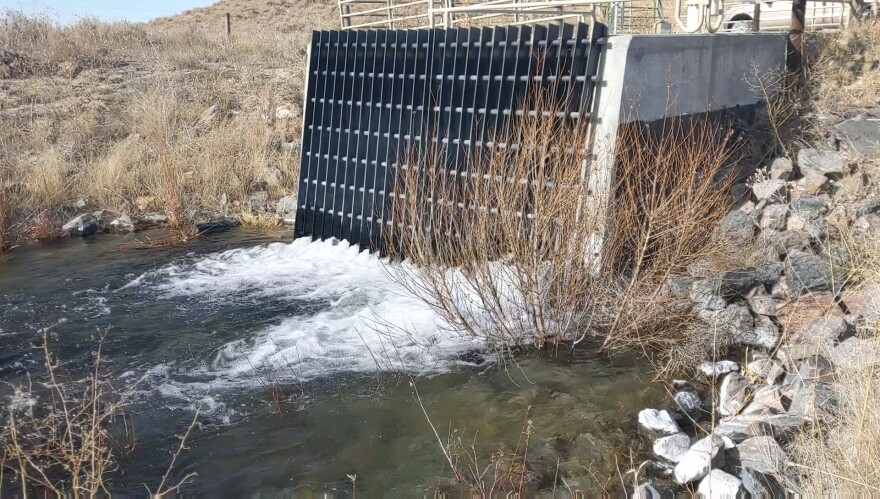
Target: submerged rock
{"points": [[213, 226]]}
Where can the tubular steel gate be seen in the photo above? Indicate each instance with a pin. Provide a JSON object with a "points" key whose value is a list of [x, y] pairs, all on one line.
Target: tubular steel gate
{"points": [[371, 94]]}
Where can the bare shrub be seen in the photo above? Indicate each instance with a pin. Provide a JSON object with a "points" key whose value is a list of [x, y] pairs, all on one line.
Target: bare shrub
{"points": [[63, 439], [502, 247]]}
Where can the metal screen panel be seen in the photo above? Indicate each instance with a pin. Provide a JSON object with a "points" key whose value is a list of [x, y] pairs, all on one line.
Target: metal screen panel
{"points": [[371, 94]]}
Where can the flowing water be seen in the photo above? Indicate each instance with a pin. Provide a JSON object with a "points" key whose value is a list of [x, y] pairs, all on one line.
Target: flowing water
{"points": [[299, 357]]}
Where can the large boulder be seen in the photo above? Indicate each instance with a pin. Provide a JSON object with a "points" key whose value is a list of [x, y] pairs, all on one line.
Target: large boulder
{"points": [[704, 455], [83, 225], [829, 163], [719, 484]]}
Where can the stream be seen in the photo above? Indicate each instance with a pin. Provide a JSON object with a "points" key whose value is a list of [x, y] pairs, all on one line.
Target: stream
{"points": [[299, 357]]}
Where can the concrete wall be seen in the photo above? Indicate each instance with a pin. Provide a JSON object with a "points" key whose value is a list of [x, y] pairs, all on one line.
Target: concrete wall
{"points": [[648, 77], [655, 75]]}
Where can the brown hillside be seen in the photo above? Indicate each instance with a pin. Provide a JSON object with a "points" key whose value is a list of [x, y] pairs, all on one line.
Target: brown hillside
{"points": [[283, 16]]}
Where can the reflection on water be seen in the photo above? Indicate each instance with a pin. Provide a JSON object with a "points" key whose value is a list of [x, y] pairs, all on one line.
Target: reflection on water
{"points": [[213, 324]]}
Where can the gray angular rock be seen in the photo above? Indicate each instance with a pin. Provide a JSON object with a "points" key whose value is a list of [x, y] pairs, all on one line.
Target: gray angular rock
{"points": [[733, 394], [782, 169], [673, 447], [765, 334], [658, 422], [829, 163], [770, 272], [715, 369], [772, 398], [83, 225], [770, 190], [706, 294], [738, 227], [647, 491], [762, 454], [856, 353], [763, 305], [760, 367], [688, 402], [860, 135], [824, 331], [707, 453], [155, 218], [759, 485], [808, 272], [811, 400], [719, 484], [810, 206], [811, 185], [774, 217], [286, 207], [737, 282], [733, 320], [743, 426], [679, 286], [782, 242]]}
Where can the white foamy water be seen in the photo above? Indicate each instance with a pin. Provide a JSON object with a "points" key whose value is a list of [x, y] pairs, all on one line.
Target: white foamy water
{"points": [[361, 321]]}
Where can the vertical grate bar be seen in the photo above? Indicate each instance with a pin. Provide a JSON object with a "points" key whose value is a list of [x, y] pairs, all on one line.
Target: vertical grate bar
{"points": [[373, 96]]}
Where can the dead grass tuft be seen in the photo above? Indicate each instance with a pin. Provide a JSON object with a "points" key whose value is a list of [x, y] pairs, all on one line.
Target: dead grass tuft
{"points": [[844, 67]]}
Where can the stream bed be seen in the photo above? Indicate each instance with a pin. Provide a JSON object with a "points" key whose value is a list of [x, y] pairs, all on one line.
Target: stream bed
{"points": [[299, 358]]}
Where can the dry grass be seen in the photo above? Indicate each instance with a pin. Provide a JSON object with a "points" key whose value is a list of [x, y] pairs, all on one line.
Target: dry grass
{"points": [[505, 250], [844, 68], [63, 438], [130, 124]]}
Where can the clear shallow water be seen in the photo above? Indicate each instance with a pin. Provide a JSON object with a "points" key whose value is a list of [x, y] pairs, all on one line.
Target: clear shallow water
{"points": [[212, 324]]}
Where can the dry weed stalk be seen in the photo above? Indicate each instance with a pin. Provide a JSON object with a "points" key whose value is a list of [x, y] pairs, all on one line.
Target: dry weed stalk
{"points": [[5, 218], [500, 243], [67, 446], [506, 472]]}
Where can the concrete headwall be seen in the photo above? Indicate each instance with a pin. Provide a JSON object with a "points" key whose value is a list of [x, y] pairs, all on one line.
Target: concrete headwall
{"points": [[648, 77]]}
